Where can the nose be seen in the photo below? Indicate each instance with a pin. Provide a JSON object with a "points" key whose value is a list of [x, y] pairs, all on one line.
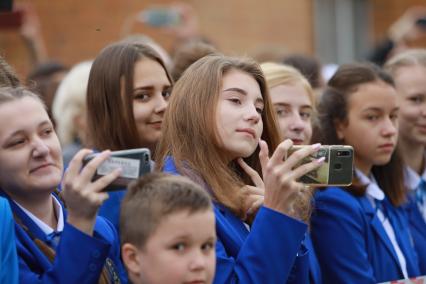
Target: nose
{"points": [[296, 122], [252, 114], [160, 104], [423, 109], [198, 261], [40, 148], [390, 127]]}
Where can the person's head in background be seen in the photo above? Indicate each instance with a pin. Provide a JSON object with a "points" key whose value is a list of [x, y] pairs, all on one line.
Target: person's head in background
{"points": [[69, 109], [8, 78], [175, 243], [188, 53], [146, 40], [127, 95], [359, 108], [44, 79], [309, 66], [409, 73], [221, 109], [293, 100]]}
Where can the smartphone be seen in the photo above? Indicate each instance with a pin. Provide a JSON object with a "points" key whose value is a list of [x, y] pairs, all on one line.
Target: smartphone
{"points": [[160, 17], [134, 164], [337, 168], [11, 20]]}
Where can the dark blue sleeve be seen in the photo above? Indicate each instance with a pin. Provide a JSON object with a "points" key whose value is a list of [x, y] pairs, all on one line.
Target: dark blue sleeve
{"points": [[8, 256], [338, 238], [268, 253], [79, 259], [110, 209]]}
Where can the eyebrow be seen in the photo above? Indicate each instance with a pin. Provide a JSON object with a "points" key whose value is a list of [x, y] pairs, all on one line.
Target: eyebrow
{"points": [[151, 87], [378, 109], [243, 92]]}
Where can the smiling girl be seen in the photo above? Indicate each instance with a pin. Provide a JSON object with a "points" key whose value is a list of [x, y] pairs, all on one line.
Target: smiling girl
{"points": [[409, 72], [361, 233], [217, 131], [127, 95]]}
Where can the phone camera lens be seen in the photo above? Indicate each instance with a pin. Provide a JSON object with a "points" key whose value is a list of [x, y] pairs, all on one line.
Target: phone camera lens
{"points": [[338, 166], [343, 153]]}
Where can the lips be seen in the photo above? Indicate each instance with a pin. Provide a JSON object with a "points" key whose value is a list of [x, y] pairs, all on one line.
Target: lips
{"points": [[249, 131], [297, 141], [387, 146], [40, 167], [156, 124]]}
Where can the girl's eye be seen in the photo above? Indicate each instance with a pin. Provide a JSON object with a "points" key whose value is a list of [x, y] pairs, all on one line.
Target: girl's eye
{"points": [[417, 99], [259, 110], [282, 112], [394, 116], [305, 115], [47, 131], [235, 101], [166, 94], [372, 117], [141, 96], [16, 142]]}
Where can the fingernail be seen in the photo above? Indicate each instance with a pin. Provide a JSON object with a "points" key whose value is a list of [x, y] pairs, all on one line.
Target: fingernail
{"points": [[316, 146], [321, 160]]}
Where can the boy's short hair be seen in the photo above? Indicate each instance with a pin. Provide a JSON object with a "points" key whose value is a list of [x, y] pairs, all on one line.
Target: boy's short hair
{"points": [[151, 198]]}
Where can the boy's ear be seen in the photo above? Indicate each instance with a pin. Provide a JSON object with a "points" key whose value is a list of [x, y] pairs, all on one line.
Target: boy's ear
{"points": [[131, 258]]}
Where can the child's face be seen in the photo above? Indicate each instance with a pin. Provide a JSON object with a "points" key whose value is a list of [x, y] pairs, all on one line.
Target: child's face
{"points": [[293, 107], [372, 127], [238, 116], [411, 87], [181, 250]]}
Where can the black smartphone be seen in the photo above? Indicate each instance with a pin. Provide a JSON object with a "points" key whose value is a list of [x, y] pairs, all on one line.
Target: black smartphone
{"points": [[337, 168], [134, 164]]}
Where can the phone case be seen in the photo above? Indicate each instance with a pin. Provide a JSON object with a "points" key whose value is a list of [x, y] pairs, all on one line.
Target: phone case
{"points": [[134, 164], [337, 168]]}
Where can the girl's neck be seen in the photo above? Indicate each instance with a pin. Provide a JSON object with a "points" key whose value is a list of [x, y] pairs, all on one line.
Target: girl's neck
{"points": [[42, 208], [413, 155], [363, 167]]}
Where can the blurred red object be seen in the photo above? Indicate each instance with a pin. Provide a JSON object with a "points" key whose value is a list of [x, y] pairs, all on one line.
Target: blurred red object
{"points": [[11, 20]]}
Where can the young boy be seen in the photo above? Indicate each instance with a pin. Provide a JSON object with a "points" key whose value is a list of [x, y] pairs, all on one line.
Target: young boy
{"points": [[167, 228]]}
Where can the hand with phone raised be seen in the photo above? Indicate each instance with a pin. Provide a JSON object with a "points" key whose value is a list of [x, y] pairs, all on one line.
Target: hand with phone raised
{"points": [[83, 196], [280, 176]]}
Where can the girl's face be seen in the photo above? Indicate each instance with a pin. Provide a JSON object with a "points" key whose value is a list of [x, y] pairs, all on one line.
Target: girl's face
{"points": [[411, 87], [238, 116], [372, 124], [30, 153], [151, 92], [294, 111]]}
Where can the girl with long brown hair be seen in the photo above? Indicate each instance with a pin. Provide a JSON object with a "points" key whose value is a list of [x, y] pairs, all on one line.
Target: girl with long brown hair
{"points": [[217, 131], [361, 233]]}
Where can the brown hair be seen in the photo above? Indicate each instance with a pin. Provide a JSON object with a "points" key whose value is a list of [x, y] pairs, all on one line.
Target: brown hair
{"points": [[9, 94], [110, 119], [154, 197], [187, 54], [8, 77], [333, 108], [190, 131]]}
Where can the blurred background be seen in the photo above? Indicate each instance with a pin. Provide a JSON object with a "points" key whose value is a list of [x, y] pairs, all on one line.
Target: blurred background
{"points": [[69, 31]]}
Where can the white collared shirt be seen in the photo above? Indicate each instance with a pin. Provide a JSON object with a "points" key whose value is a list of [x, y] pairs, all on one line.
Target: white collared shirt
{"points": [[43, 226], [411, 181], [374, 192]]}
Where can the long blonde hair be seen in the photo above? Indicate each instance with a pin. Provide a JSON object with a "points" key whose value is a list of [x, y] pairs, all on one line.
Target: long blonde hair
{"points": [[190, 131]]}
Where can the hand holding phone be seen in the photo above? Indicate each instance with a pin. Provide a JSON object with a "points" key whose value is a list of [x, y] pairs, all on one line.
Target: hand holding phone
{"points": [[133, 163], [337, 168]]}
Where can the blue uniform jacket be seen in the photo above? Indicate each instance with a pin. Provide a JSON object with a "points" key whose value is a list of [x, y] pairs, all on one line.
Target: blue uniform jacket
{"points": [[315, 276], [351, 243], [418, 232], [271, 252], [8, 256], [110, 209], [79, 257]]}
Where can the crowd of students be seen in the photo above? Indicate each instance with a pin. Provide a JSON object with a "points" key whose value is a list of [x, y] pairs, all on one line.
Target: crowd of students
{"points": [[225, 204]]}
